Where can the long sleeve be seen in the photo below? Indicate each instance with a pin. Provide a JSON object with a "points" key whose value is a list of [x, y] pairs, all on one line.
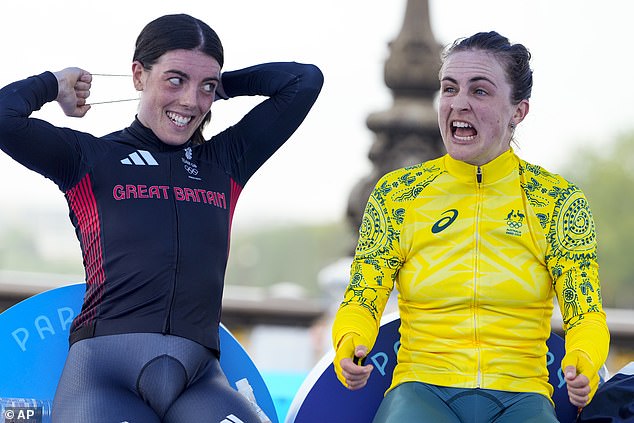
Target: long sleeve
{"points": [[291, 90], [373, 272], [36, 144], [573, 262]]}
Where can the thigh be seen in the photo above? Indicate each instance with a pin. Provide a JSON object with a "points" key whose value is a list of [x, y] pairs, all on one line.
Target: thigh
{"points": [[94, 389], [414, 402], [528, 408], [210, 398]]}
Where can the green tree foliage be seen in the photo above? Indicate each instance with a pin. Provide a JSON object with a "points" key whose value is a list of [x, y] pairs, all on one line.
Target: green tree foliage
{"points": [[19, 252], [259, 258], [293, 254], [16, 247], [606, 176]]}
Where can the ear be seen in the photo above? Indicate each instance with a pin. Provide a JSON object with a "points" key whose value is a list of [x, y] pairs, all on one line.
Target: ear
{"points": [[138, 75], [521, 110]]}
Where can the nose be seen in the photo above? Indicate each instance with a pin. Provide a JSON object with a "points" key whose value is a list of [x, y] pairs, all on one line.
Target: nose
{"points": [[459, 106], [189, 97], [459, 103]]}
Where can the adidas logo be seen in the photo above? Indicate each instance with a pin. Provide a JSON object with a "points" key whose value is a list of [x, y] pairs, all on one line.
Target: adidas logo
{"points": [[231, 419], [140, 158]]}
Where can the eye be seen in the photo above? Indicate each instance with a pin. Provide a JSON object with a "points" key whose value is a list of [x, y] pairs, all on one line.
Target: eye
{"points": [[448, 89], [176, 81], [480, 91], [209, 87]]}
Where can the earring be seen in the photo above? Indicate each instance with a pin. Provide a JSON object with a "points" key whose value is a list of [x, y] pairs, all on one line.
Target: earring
{"points": [[512, 125]]}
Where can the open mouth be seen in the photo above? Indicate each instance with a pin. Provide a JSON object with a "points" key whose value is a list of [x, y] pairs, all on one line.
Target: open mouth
{"points": [[463, 131], [178, 120]]}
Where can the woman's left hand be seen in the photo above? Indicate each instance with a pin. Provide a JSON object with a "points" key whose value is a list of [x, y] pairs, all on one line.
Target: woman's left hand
{"points": [[578, 386], [582, 380]]}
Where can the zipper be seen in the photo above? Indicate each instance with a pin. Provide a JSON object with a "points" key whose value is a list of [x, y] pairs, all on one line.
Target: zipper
{"points": [[168, 318], [476, 268]]}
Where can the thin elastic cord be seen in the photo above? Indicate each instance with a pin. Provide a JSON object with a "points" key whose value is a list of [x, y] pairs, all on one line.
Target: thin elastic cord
{"points": [[112, 101], [108, 74]]}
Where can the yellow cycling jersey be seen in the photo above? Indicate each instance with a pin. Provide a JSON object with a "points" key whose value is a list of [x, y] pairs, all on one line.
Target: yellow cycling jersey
{"points": [[477, 254]]}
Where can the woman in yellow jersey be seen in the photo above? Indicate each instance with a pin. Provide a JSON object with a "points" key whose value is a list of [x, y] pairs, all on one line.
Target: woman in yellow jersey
{"points": [[477, 243]]}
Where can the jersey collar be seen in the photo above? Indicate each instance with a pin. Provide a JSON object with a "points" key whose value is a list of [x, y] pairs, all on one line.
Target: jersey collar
{"points": [[149, 140], [491, 172]]}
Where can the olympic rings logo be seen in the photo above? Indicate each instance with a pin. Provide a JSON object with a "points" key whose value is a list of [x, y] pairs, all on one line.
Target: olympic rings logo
{"points": [[191, 170], [514, 224]]}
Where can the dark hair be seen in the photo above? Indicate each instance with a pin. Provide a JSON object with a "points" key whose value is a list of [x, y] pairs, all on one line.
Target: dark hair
{"points": [[178, 32], [514, 58]]}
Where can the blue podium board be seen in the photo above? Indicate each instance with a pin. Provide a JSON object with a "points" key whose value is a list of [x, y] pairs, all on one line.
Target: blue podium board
{"points": [[34, 345], [322, 398]]}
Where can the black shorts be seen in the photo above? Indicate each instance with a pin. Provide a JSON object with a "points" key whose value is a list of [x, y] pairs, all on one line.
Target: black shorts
{"points": [[146, 377]]}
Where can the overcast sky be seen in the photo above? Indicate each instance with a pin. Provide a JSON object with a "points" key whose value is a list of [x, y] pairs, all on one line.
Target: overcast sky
{"points": [[582, 60]]}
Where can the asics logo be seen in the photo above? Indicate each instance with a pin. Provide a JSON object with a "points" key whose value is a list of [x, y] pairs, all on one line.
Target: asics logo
{"points": [[140, 158], [444, 222]]}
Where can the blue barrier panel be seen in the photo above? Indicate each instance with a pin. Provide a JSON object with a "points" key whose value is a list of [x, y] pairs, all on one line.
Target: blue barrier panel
{"points": [[34, 346], [322, 398], [283, 386]]}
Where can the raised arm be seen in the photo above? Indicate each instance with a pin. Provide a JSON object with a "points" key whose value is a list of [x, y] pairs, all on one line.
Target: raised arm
{"points": [[291, 88], [39, 145]]}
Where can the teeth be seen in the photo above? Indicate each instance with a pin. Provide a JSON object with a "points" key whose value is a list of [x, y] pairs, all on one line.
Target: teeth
{"points": [[178, 119], [460, 124]]}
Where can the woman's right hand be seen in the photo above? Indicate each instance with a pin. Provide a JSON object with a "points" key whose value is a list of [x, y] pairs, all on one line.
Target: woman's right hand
{"points": [[352, 375], [73, 88]]}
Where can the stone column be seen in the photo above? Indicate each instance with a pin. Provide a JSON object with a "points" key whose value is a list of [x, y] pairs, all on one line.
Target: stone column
{"points": [[407, 133]]}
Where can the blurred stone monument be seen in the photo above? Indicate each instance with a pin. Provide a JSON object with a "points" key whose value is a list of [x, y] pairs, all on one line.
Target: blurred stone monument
{"points": [[407, 133]]}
